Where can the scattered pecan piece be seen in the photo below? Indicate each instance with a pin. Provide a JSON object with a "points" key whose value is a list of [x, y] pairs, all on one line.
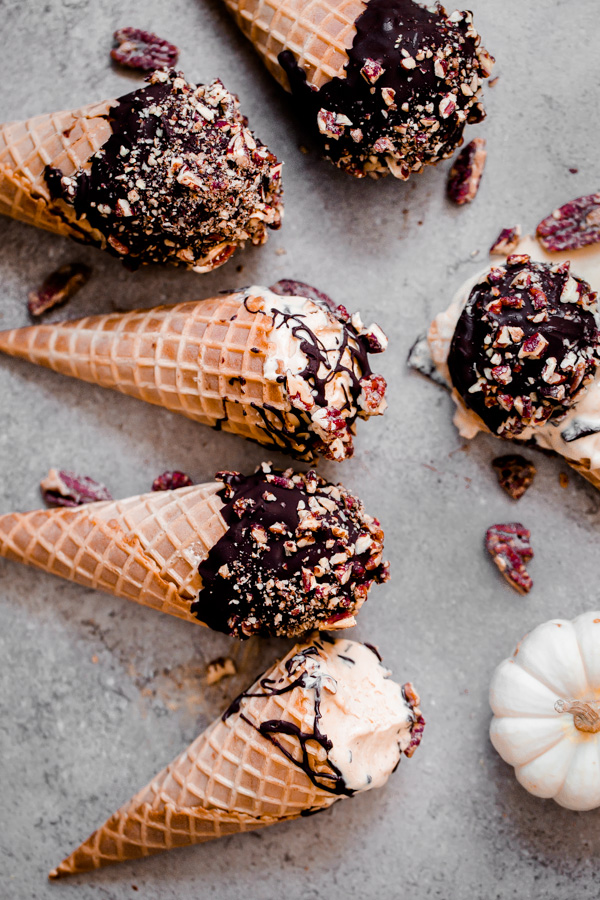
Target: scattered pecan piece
{"points": [[170, 481], [465, 174], [507, 241], [574, 225], [60, 488], [58, 287], [515, 474], [137, 49], [510, 549], [220, 668]]}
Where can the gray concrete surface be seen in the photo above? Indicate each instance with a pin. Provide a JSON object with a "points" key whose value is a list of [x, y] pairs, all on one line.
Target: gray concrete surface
{"points": [[96, 695]]}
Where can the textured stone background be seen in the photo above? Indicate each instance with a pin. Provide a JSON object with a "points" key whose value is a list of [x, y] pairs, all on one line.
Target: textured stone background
{"points": [[97, 694]]}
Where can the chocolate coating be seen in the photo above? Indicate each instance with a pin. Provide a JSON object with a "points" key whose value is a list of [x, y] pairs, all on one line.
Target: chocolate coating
{"points": [[290, 560], [181, 179], [411, 83], [526, 345]]}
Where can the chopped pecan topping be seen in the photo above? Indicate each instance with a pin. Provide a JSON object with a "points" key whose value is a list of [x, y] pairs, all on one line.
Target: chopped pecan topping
{"points": [[299, 553], [525, 345]]}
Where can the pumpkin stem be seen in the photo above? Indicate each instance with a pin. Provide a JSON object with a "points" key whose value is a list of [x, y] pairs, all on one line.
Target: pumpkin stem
{"points": [[586, 714]]}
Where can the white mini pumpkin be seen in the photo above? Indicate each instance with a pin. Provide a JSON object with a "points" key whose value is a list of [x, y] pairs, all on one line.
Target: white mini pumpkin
{"points": [[546, 704]]}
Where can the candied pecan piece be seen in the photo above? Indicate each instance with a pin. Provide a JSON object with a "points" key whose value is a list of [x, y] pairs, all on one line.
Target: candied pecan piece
{"points": [[60, 488], [574, 225], [170, 481], [465, 174], [507, 241], [515, 474], [58, 287], [509, 547], [137, 49]]}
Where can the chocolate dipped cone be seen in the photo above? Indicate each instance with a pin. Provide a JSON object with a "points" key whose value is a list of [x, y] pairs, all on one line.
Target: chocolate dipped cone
{"points": [[383, 86], [275, 754], [177, 185], [221, 362], [241, 554]]}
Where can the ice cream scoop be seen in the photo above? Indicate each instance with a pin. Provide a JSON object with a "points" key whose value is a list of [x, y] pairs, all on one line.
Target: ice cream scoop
{"points": [[383, 85], [287, 369], [169, 173], [520, 347], [273, 553], [325, 722]]}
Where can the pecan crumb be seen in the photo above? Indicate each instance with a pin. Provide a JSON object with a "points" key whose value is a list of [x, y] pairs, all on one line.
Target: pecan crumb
{"points": [[60, 488], [507, 241], [563, 480], [465, 174], [58, 287], [509, 547], [170, 481], [142, 50], [220, 668], [515, 474]]}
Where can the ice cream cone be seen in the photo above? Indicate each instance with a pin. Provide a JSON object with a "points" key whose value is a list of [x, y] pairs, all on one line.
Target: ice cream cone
{"points": [[383, 87], [317, 32], [234, 778], [145, 548], [51, 175], [208, 361], [238, 554], [572, 434]]}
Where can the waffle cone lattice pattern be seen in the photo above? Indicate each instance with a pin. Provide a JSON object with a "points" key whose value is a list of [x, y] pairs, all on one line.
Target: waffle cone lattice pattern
{"points": [[63, 140], [203, 359], [229, 780], [145, 548], [318, 32]]}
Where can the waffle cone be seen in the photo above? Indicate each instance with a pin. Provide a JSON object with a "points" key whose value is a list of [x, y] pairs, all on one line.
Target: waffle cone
{"points": [[318, 33], [204, 359], [229, 780], [145, 548], [63, 140]]}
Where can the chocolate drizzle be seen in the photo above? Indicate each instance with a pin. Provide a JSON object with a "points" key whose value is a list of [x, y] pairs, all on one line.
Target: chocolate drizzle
{"points": [[411, 83], [526, 345], [299, 553], [315, 425], [328, 777], [181, 179]]}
